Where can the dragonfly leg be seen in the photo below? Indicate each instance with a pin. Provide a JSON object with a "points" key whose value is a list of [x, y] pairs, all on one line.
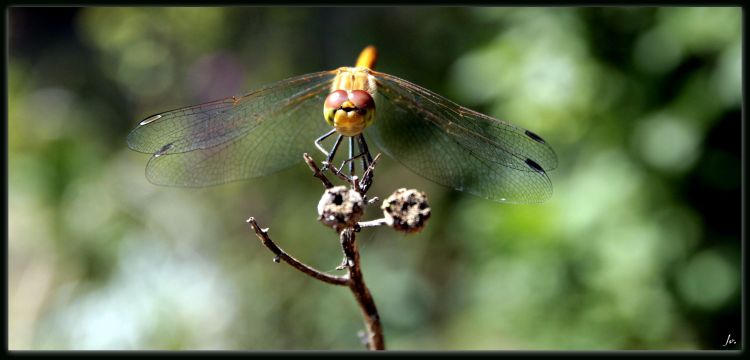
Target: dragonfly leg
{"points": [[329, 155], [367, 160], [364, 153], [351, 156]]}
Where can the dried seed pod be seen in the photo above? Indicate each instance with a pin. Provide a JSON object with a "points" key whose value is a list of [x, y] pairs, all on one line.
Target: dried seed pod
{"points": [[406, 210], [340, 207]]}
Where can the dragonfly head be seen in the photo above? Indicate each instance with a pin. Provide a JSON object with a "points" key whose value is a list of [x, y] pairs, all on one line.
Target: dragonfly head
{"points": [[350, 112]]}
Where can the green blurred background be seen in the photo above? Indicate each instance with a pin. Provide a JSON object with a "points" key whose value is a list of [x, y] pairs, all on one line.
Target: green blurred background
{"points": [[639, 247]]}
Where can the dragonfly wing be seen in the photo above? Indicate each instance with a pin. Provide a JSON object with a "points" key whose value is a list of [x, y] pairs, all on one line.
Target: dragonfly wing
{"points": [[459, 147], [235, 138]]}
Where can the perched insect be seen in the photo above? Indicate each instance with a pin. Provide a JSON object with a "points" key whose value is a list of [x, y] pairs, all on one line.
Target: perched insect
{"points": [[268, 129]]}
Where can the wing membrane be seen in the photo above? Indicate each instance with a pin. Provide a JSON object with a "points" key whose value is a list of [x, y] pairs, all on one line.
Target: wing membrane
{"points": [[459, 147], [235, 138]]}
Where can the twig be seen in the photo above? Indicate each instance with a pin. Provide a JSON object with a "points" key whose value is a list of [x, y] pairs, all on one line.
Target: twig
{"points": [[316, 171], [373, 223], [337, 171], [361, 185], [374, 336], [281, 255], [364, 184], [354, 279]]}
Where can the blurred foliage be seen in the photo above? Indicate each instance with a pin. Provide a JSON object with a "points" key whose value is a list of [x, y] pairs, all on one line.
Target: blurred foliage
{"points": [[639, 248]]}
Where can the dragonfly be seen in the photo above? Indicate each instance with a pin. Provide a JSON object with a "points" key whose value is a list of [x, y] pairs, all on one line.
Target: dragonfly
{"points": [[267, 130]]}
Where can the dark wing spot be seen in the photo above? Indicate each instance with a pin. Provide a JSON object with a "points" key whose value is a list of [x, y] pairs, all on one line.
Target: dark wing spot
{"points": [[533, 165], [163, 149], [535, 137]]}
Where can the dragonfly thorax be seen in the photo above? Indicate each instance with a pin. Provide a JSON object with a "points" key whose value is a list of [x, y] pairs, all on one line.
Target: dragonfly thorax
{"points": [[354, 78]]}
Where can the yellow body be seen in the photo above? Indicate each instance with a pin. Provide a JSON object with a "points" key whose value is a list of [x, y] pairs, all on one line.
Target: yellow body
{"points": [[352, 123]]}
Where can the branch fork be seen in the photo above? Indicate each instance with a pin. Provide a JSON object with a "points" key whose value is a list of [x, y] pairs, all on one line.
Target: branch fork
{"points": [[341, 208], [373, 336]]}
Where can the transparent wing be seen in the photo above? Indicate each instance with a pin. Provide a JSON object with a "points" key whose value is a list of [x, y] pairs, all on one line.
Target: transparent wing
{"points": [[459, 147], [235, 138]]}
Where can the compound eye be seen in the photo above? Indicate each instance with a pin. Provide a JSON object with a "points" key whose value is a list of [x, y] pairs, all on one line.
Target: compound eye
{"points": [[361, 99], [336, 99]]}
